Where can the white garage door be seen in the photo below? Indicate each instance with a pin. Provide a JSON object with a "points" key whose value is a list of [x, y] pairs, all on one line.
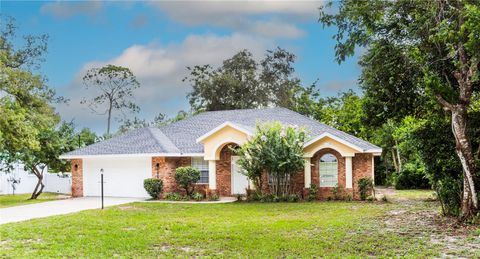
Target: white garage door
{"points": [[123, 177]]}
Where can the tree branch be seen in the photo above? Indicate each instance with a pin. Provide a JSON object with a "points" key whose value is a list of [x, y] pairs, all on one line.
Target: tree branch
{"points": [[445, 105]]}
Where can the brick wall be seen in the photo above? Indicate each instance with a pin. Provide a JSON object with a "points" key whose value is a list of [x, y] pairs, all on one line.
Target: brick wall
{"points": [[223, 171], [166, 172], [77, 177], [326, 192], [362, 167]]}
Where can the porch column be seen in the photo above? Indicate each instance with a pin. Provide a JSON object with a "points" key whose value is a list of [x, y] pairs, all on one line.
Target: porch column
{"points": [[308, 172], [348, 172], [212, 174]]}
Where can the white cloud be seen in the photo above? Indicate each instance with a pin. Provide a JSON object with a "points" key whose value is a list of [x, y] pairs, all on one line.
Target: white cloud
{"points": [[160, 69], [64, 9], [260, 17]]}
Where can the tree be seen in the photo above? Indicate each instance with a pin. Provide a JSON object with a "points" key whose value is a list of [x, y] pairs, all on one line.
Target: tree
{"points": [[186, 177], [54, 141], [440, 38], [277, 150], [116, 86], [86, 137], [241, 82], [25, 103]]}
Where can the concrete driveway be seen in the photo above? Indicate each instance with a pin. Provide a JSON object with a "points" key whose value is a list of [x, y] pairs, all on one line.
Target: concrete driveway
{"points": [[51, 208]]}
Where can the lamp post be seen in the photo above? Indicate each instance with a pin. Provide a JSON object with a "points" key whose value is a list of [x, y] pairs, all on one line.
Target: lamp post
{"points": [[101, 184]]}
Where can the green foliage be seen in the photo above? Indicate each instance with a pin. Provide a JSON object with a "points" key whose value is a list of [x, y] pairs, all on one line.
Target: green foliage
{"points": [[186, 177], [197, 196], [365, 187], [116, 86], [422, 59], [173, 196], [153, 186], [277, 150], [412, 176], [312, 192], [242, 82], [213, 197], [293, 197], [449, 194], [337, 193], [239, 196], [30, 128]]}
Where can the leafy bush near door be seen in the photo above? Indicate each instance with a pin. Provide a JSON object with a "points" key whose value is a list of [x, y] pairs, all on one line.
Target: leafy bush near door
{"points": [[277, 150], [153, 186], [186, 177]]}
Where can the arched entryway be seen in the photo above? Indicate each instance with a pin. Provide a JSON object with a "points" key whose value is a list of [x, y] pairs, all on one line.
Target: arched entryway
{"points": [[230, 180]]}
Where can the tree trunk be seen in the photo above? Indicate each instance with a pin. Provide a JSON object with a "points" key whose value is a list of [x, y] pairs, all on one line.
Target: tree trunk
{"points": [[109, 118], [394, 159], [36, 192], [464, 151], [398, 157]]}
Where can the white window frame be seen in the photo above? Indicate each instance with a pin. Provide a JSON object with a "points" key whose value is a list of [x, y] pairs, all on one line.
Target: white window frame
{"points": [[202, 165], [330, 169]]}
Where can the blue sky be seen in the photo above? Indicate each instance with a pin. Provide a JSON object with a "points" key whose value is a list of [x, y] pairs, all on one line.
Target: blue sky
{"points": [[157, 40]]}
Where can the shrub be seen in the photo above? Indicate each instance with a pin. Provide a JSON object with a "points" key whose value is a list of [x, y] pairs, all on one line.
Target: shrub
{"points": [[173, 196], [412, 176], [365, 186], [213, 197], [312, 192], [371, 198], [276, 149], [186, 177], [197, 196], [153, 187], [449, 194], [267, 197], [384, 198], [239, 196], [293, 198], [348, 197], [337, 193]]}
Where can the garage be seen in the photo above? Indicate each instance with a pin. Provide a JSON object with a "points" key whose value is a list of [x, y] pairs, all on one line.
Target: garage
{"points": [[123, 177]]}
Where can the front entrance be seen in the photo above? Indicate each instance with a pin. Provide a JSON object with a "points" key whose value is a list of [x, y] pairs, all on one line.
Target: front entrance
{"points": [[239, 180]]}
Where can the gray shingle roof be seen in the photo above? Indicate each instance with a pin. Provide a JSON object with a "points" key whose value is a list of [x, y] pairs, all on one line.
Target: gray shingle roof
{"points": [[181, 136]]}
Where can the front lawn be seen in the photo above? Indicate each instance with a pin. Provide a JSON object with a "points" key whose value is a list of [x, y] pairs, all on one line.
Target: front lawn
{"points": [[23, 199], [325, 229]]}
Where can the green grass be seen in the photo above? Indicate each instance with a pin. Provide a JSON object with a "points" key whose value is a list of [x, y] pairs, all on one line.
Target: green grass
{"points": [[318, 229], [414, 194], [23, 199]]}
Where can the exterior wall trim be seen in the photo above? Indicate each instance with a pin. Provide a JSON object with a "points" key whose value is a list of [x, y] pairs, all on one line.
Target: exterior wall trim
{"points": [[221, 126], [326, 134], [134, 155]]}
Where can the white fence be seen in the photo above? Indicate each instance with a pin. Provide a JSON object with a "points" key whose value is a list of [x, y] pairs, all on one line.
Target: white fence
{"points": [[59, 183]]}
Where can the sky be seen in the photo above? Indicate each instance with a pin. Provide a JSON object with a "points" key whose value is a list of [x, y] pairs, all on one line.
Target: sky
{"points": [[157, 40]]}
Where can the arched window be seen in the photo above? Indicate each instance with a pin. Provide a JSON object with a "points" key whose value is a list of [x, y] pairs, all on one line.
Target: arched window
{"points": [[328, 171]]}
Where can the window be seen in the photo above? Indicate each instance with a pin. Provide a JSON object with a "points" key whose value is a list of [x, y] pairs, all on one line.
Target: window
{"points": [[328, 171], [202, 165]]}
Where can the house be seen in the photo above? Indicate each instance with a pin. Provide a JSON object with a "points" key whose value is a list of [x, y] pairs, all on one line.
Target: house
{"points": [[332, 157]]}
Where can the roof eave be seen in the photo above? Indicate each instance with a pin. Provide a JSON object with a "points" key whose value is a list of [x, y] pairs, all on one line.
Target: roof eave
{"points": [[66, 156]]}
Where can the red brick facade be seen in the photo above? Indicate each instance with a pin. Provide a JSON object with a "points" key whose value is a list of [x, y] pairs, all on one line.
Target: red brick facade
{"points": [[166, 172], [223, 171], [361, 167], [77, 177]]}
